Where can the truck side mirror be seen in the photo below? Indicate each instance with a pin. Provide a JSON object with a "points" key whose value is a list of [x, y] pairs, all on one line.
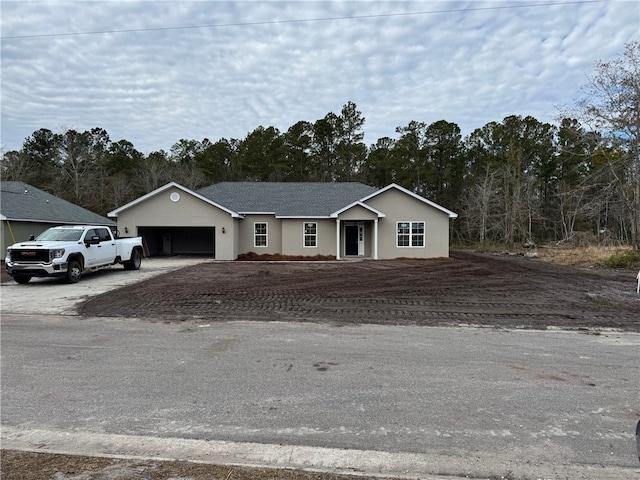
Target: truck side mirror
{"points": [[93, 240], [32, 238]]}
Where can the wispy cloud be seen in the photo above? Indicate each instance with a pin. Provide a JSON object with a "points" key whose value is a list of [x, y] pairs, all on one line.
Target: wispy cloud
{"points": [[156, 84]]}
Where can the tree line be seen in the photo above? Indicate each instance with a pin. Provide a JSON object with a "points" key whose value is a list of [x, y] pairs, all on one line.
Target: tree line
{"points": [[510, 181]]}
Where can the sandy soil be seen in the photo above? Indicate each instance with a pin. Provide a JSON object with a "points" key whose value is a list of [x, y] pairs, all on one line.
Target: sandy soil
{"points": [[466, 289]]}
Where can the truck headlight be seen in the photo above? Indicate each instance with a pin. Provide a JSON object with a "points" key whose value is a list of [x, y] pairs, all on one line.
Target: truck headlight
{"points": [[56, 253]]}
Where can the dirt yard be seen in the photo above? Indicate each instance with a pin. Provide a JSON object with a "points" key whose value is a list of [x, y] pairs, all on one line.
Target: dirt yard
{"points": [[41, 466], [488, 290]]}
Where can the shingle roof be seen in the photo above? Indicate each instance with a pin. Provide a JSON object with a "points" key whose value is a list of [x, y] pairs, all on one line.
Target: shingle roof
{"points": [[20, 201], [286, 199]]}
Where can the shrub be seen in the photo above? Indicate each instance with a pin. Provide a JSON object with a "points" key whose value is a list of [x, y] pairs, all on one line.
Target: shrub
{"points": [[276, 257], [624, 259]]}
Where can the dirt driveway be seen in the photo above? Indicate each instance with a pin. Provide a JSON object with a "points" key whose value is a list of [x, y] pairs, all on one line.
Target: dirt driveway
{"points": [[466, 289], [54, 296]]}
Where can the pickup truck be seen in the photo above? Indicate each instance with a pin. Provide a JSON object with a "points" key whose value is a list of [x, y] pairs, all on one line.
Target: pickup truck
{"points": [[67, 251]]}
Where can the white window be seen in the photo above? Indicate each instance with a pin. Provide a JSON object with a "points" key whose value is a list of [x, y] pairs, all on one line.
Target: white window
{"points": [[310, 234], [259, 234], [410, 234]]}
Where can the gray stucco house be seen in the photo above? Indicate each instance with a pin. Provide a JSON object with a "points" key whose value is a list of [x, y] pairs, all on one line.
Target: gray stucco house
{"points": [[26, 210], [344, 220]]}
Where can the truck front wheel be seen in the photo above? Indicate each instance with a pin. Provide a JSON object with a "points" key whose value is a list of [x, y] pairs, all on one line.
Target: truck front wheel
{"points": [[22, 278], [74, 272], [136, 260]]}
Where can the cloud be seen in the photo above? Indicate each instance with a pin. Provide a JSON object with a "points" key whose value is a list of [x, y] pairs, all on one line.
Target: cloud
{"points": [[155, 84]]}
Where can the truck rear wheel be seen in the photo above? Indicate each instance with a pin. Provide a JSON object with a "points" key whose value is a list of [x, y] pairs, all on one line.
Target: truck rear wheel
{"points": [[22, 278], [74, 272], [135, 262]]}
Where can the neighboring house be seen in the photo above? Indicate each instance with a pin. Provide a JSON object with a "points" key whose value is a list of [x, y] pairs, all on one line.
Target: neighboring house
{"points": [[27, 210], [298, 219]]}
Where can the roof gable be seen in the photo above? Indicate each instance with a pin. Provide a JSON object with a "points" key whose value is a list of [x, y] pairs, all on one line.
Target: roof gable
{"points": [[20, 201], [376, 212], [157, 191], [287, 199], [414, 195]]}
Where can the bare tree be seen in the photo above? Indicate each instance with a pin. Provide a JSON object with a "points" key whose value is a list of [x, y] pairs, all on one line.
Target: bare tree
{"points": [[612, 107], [153, 172], [75, 164], [14, 166], [478, 206]]}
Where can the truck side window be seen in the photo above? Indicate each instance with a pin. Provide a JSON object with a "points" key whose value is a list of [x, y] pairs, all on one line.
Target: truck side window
{"points": [[104, 235]]}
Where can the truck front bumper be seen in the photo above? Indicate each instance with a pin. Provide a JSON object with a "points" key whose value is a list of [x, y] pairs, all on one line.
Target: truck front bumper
{"points": [[36, 269]]}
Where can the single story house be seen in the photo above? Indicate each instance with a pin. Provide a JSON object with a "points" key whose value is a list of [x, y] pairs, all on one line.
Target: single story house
{"points": [[343, 220], [27, 210]]}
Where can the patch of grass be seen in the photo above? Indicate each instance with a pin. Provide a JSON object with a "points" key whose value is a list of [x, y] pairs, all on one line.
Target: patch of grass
{"points": [[577, 256], [591, 256], [629, 258]]}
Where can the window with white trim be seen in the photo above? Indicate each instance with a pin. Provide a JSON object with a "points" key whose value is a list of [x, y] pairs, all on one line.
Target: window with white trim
{"points": [[259, 234], [310, 234], [410, 234]]}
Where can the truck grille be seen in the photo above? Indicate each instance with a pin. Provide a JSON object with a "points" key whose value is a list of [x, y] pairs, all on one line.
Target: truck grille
{"points": [[29, 255]]}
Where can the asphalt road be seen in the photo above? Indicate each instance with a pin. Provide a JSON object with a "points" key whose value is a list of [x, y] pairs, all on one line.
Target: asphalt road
{"points": [[396, 400]]}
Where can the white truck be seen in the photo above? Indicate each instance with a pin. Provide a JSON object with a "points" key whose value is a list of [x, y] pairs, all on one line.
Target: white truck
{"points": [[67, 251]]}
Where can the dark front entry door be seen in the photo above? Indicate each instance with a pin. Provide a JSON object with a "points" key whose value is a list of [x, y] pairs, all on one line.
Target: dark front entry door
{"points": [[351, 240]]}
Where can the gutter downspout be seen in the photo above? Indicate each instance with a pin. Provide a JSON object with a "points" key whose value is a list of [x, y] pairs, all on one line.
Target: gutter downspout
{"points": [[375, 239], [337, 239], [11, 232]]}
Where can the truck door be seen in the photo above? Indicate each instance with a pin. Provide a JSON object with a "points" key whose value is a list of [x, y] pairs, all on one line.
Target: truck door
{"points": [[102, 249], [91, 257], [107, 250]]}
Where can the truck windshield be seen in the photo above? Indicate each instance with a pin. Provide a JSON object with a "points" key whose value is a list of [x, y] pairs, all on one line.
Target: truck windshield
{"points": [[62, 235]]}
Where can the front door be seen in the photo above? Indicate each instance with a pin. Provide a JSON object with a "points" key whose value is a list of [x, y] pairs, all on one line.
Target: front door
{"points": [[360, 240], [351, 240]]}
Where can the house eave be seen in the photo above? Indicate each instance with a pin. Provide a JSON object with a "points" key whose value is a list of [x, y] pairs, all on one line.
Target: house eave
{"points": [[315, 217], [49, 220]]}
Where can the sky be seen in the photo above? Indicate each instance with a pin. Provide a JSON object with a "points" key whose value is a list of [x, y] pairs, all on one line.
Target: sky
{"points": [[155, 72]]}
